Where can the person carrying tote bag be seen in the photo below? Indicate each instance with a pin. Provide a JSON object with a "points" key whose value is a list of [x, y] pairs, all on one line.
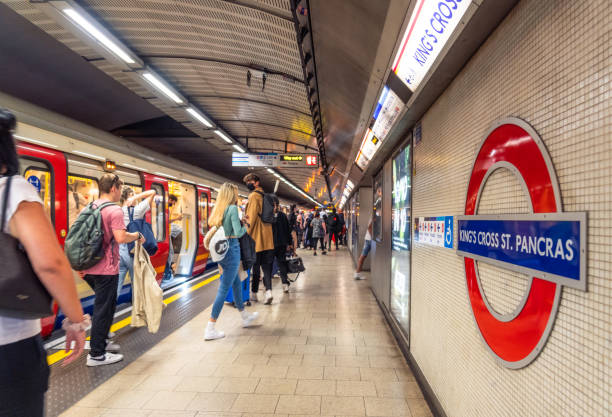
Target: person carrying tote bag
{"points": [[225, 217], [24, 373]]}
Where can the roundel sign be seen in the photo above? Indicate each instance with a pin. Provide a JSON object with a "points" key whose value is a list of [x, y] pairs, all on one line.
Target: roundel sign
{"points": [[547, 244]]}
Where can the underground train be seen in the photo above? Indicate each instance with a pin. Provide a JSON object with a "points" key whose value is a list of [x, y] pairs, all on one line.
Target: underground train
{"points": [[68, 180]]}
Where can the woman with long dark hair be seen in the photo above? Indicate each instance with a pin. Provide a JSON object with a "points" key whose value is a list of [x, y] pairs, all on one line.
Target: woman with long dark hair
{"points": [[24, 372]]}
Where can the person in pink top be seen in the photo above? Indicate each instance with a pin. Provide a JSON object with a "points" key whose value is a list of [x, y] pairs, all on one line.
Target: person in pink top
{"points": [[104, 276]]}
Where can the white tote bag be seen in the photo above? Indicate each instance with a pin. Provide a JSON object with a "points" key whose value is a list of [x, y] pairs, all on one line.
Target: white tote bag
{"points": [[218, 245]]}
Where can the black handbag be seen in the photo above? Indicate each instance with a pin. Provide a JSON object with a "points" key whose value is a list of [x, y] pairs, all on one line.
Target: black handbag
{"points": [[22, 295], [294, 266], [247, 251]]}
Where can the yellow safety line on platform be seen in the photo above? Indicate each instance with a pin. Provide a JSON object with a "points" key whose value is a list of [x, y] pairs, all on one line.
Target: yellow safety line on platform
{"points": [[59, 355]]}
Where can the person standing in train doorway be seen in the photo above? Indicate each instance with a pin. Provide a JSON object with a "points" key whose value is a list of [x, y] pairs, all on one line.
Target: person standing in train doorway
{"points": [[263, 236], [175, 218], [139, 204], [103, 277]]}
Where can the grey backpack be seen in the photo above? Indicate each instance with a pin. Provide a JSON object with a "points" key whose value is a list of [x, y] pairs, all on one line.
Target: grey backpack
{"points": [[84, 244]]}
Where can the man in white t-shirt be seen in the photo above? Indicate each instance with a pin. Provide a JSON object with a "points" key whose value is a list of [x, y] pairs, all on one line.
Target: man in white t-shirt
{"points": [[367, 247], [130, 202]]}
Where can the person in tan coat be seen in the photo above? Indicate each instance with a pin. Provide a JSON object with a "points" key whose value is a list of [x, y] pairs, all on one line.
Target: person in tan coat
{"points": [[263, 236]]}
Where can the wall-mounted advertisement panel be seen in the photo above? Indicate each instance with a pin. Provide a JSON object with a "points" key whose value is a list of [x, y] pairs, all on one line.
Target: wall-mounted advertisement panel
{"points": [[378, 199], [430, 27], [387, 111], [400, 247]]}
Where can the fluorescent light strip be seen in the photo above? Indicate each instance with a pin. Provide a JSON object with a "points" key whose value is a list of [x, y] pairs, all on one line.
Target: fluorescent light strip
{"points": [[223, 136], [38, 142], [199, 117], [161, 86], [90, 155], [99, 36], [239, 148], [271, 171]]}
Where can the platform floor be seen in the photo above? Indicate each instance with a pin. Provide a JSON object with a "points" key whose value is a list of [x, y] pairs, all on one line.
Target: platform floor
{"points": [[324, 349]]}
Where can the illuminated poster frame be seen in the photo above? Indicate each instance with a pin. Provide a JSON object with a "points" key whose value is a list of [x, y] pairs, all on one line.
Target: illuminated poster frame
{"points": [[377, 225], [401, 245]]}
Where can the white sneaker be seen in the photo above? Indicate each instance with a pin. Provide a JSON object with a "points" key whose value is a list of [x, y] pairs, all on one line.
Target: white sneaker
{"points": [[358, 277], [269, 297], [248, 318], [254, 297], [112, 346], [105, 359], [211, 333], [285, 288]]}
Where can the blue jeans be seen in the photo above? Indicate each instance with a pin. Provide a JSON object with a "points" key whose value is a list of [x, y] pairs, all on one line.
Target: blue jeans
{"points": [[126, 263], [229, 279]]}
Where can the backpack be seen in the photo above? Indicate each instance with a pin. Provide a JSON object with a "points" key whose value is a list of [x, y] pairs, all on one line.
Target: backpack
{"points": [[333, 221], [144, 228], [267, 210], [84, 244]]}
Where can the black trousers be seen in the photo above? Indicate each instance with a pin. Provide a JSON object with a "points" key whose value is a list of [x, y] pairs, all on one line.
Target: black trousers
{"points": [[280, 253], [105, 288], [318, 239], [24, 378], [265, 261]]}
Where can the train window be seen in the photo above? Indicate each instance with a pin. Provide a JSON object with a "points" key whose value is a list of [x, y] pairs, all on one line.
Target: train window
{"points": [[158, 213], [39, 175], [203, 208], [81, 191]]}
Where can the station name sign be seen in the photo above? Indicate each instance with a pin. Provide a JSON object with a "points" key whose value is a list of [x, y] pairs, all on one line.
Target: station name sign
{"points": [[429, 29], [549, 246], [275, 160]]}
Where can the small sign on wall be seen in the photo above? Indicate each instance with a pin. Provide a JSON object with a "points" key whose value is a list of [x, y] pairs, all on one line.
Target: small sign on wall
{"points": [[436, 231]]}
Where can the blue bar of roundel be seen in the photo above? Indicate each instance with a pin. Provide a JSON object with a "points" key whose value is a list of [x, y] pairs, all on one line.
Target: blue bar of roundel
{"points": [[555, 230]]}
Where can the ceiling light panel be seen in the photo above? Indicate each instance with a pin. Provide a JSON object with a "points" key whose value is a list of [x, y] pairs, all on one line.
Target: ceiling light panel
{"points": [[223, 136], [160, 85], [199, 117], [97, 33]]}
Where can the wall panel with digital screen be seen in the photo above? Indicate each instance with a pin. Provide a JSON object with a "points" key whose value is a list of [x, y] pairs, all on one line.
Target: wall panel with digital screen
{"points": [[401, 243]]}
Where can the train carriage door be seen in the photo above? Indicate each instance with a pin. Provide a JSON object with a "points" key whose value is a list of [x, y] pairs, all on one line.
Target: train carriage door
{"points": [[158, 218], [46, 170], [203, 212], [183, 227]]}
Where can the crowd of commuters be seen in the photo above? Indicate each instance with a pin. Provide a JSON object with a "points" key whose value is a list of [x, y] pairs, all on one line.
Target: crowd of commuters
{"points": [[24, 371]]}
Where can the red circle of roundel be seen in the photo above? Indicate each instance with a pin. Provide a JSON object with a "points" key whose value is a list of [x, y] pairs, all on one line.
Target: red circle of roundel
{"points": [[515, 340]]}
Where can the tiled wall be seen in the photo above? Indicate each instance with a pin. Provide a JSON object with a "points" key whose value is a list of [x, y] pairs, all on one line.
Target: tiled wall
{"points": [[549, 63]]}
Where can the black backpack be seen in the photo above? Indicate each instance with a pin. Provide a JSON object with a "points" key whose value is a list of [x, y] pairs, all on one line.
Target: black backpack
{"points": [[333, 221], [267, 209]]}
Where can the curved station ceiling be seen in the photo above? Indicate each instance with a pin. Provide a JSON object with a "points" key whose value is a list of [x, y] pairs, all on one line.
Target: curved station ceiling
{"points": [[201, 80]]}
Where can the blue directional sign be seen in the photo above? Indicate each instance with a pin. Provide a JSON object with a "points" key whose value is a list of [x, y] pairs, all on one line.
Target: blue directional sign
{"points": [[35, 181], [549, 246]]}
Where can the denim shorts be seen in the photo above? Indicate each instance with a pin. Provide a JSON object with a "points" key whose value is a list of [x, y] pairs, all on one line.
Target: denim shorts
{"points": [[367, 247]]}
